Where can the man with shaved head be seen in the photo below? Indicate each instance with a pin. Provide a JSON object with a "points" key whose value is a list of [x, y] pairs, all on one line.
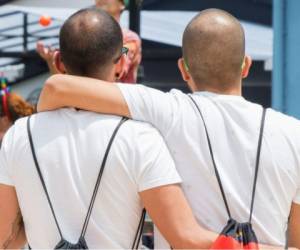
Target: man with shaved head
{"points": [[214, 134]]}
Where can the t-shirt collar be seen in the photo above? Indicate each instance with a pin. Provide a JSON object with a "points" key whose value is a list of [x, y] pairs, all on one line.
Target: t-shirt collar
{"points": [[215, 95]]}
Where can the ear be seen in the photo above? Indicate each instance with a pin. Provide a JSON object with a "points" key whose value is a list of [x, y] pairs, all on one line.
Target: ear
{"points": [[246, 66], [120, 67], [58, 64], [184, 70]]}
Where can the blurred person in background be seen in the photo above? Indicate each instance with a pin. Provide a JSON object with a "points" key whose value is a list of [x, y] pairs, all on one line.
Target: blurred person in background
{"points": [[12, 107], [131, 40]]}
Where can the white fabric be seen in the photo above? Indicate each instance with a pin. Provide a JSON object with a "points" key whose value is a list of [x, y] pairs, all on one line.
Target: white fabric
{"points": [[233, 125], [70, 146]]}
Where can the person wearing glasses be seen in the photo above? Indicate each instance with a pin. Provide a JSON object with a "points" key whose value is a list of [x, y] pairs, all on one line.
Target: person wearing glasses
{"points": [[75, 179], [131, 40]]}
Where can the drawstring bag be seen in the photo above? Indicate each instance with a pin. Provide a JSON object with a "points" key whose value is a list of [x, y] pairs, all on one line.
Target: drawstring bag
{"points": [[236, 235], [81, 243]]}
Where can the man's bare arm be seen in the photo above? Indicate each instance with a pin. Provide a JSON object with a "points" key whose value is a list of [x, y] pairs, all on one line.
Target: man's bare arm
{"points": [[170, 212], [172, 215], [12, 234], [98, 96], [294, 226]]}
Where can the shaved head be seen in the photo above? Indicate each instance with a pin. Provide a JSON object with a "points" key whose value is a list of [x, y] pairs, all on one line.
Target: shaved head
{"points": [[214, 48], [90, 42]]}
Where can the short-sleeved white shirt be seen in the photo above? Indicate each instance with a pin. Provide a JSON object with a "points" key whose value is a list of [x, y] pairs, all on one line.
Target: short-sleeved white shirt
{"points": [[233, 126], [70, 146]]}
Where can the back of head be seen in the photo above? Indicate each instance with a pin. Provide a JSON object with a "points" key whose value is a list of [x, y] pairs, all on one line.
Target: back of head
{"points": [[90, 43], [214, 48]]}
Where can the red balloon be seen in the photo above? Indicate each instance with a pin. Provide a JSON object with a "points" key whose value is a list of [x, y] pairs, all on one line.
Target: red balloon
{"points": [[45, 20]]}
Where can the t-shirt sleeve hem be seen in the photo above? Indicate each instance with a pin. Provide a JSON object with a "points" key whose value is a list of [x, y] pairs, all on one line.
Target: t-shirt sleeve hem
{"points": [[126, 96], [297, 200], [6, 181], [159, 183]]}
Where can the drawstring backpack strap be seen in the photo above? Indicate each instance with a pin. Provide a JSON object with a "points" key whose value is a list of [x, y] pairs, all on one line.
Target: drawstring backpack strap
{"points": [[263, 118], [88, 216], [97, 182], [139, 232], [261, 132], [41, 176], [213, 158]]}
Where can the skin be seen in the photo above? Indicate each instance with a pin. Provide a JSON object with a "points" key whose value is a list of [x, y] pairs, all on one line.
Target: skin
{"points": [[5, 124], [294, 227], [174, 218], [112, 7], [47, 53], [12, 233]]}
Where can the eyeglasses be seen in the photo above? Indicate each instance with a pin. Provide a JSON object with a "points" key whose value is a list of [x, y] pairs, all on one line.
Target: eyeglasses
{"points": [[124, 51]]}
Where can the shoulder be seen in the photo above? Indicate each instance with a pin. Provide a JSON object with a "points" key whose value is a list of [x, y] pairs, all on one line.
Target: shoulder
{"points": [[283, 124], [141, 137], [281, 119], [178, 94], [15, 140], [19, 130], [140, 130]]}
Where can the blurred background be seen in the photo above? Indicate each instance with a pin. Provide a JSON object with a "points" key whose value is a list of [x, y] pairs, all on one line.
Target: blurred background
{"points": [[272, 38]]}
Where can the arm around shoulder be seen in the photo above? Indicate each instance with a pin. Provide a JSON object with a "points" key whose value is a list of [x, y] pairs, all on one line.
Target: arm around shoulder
{"points": [[172, 215], [83, 93]]}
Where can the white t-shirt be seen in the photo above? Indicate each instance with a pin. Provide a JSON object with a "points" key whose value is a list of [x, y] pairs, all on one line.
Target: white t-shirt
{"points": [[233, 126], [70, 146]]}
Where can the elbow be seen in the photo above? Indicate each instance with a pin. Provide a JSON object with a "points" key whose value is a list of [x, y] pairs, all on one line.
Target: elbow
{"points": [[51, 86], [51, 94]]}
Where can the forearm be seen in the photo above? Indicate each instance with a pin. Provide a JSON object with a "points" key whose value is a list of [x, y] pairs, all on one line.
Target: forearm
{"points": [[84, 93], [173, 217], [194, 238]]}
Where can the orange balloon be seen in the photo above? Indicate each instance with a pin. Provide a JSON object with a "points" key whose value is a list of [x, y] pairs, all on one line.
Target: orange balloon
{"points": [[45, 20]]}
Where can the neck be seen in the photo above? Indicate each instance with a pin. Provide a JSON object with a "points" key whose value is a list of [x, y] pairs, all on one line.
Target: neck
{"points": [[107, 76], [235, 89]]}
